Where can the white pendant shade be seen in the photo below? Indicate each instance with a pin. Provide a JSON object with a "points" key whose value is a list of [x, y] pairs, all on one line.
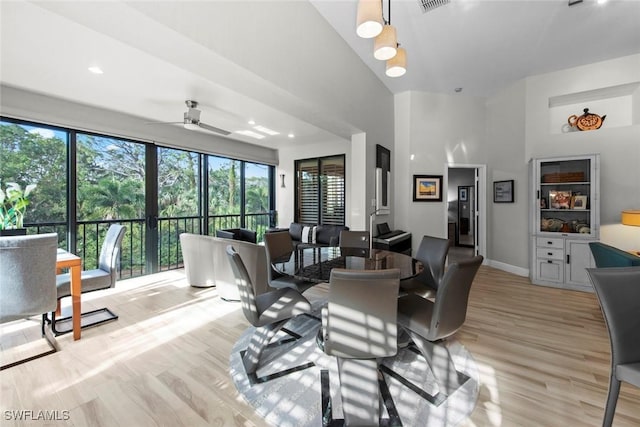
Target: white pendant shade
{"points": [[386, 43], [369, 21], [397, 65]]}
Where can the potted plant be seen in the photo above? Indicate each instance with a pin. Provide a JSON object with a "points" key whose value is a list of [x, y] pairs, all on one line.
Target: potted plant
{"points": [[13, 203]]}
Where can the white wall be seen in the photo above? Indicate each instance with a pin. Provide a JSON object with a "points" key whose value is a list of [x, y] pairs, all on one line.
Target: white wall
{"points": [[436, 129], [285, 197], [618, 142], [508, 223], [505, 132]]}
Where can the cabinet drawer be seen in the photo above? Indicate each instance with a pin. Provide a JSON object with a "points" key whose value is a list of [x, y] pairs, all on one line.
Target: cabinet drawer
{"points": [[547, 242], [550, 270], [550, 253]]}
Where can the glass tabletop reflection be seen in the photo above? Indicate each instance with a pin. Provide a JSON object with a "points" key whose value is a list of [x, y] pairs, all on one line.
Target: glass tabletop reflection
{"points": [[315, 264]]}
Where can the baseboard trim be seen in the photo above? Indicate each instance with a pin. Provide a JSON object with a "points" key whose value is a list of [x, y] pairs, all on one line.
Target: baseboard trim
{"points": [[518, 271]]}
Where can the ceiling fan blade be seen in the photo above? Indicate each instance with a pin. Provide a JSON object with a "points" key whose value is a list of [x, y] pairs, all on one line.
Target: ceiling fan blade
{"points": [[214, 129]]}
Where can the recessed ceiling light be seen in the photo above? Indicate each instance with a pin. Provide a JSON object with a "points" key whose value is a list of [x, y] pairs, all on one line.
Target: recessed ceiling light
{"points": [[266, 130], [251, 134], [95, 69], [252, 122], [291, 135]]}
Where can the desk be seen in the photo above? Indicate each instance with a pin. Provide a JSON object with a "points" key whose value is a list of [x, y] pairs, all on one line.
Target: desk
{"points": [[315, 264], [73, 262]]}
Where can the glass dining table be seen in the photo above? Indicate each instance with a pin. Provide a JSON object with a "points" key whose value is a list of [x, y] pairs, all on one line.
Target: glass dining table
{"points": [[315, 264]]}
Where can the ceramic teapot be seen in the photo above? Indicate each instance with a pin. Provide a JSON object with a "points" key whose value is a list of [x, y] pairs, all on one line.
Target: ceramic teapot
{"points": [[587, 121]]}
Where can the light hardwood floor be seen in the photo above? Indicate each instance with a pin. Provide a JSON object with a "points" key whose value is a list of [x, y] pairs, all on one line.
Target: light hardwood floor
{"points": [[542, 354]]}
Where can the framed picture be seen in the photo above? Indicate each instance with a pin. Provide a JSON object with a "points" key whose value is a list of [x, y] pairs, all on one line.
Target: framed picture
{"points": [[579, 202], [462, 194], [543, 203], [427, 188], [503, 191], [559, 199], [383, 180]]}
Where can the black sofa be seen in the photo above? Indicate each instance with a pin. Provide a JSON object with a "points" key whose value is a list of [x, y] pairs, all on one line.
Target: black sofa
{"points": [[243, 234], [326, 235]]}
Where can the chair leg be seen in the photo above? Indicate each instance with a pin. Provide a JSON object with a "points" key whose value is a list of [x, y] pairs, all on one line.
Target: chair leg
{"points": [[359, 391], [439, 359], [612, 400], [259, 341]]}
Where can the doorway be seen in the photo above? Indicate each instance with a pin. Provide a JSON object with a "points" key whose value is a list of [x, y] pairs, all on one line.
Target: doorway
{"points": [[466, 205]]}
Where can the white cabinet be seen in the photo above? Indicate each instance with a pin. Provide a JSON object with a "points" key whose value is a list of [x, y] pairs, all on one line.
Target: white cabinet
{"points": [[565, 213]]}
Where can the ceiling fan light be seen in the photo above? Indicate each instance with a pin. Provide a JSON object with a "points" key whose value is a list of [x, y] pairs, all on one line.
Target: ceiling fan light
{"points": [[191, 126], [397, 66], [369, 20], [385, 44]]}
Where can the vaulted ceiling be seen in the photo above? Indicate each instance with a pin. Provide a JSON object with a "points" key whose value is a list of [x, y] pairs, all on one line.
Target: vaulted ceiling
{"points": [[216, 53]]}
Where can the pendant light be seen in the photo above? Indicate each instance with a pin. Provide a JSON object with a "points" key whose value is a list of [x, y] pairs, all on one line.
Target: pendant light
{"points": [[397, 66], [369, 20], [386, 43]]}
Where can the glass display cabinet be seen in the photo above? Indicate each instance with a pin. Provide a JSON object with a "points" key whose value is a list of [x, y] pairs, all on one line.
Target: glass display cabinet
{"points": [[566, 217]]}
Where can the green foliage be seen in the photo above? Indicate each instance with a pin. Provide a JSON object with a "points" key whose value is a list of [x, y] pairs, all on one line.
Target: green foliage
{"points": [[110, 186], [28, 157], [13, 203]]}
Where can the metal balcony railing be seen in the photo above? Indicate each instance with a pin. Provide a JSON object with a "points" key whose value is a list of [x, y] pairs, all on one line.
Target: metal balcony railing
{"points": [[133, 255]]}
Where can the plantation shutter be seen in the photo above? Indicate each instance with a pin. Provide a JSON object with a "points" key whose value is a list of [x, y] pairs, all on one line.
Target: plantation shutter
{"points": [[307, 184], [320, 191], [332, 190]]}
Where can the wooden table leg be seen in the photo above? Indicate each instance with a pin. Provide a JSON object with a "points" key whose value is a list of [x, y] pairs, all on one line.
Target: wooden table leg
{"points": [[75, 300]]}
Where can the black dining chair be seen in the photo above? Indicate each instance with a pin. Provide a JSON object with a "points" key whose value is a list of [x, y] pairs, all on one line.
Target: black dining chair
{"points": [[432, 253], [618, 292], [359, 328], [430, 323], [103, 277], [28, 283], [279, 246], [268, 312]]}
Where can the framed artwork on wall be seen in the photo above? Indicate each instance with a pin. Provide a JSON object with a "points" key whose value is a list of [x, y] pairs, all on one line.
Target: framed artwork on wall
{"points": [[427, 188], [462, 194], [503, 191], [383, 180]]}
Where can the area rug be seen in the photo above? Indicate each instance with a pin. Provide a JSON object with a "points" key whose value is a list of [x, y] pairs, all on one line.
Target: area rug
{"points": [[297, 384]]}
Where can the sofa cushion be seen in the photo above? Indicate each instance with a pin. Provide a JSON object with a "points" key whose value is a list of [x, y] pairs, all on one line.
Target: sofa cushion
{"points": [[308, 234], [329, 234], [609, 256], [295, 231]]}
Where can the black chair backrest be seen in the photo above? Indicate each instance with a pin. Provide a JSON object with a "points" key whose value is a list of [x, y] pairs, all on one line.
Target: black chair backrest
{"points": [[432, 253], [452, 297], [354, 239], [110, 251], [245, 286], [362, 313], [618, 291], [27, 275]]}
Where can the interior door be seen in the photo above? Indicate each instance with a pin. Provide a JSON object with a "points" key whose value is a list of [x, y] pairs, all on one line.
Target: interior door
{"points": [[466, 216]]}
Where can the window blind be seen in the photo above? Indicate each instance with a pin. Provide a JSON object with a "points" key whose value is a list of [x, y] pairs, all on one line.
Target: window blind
{"points": [[320, 190]]}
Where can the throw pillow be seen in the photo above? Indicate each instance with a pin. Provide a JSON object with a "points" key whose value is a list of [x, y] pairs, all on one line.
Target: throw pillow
{"points": [[309, 234]]}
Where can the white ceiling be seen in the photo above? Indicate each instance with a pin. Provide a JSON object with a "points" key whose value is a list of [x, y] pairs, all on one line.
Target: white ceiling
{"points": [[485, 45], [151, 69]]}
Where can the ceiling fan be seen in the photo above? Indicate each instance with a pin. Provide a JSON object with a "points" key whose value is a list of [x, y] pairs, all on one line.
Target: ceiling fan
{"points": [[192, 120]]}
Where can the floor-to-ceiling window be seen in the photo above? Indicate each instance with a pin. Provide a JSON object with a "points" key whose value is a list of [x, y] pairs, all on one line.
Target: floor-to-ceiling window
{"points": [[179, 189], [110, 183], [257, 200], [85, 182], [32, 154]]}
